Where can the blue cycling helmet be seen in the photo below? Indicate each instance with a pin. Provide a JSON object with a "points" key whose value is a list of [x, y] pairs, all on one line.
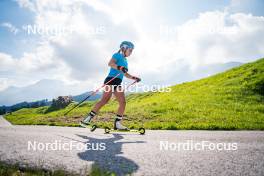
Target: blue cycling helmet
{"points": [[126, 45]]}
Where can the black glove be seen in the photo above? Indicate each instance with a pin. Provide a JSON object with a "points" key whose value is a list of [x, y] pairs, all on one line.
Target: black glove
{"points": [[123, 69], [136, 79]]}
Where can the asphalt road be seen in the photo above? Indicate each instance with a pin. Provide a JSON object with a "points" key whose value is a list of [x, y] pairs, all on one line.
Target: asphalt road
{"points": [[187, 153]]}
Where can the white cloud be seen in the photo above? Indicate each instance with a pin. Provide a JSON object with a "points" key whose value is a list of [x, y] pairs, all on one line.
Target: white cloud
{"points": [[36, 62], [26, 4], [213, 37], [5, 83]]}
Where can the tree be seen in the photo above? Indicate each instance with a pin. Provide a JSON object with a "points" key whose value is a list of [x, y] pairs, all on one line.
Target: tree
{"points": [[59, 103]]}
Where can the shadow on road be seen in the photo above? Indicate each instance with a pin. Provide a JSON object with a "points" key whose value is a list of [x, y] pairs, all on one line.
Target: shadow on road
{"points": [[110, 159]]}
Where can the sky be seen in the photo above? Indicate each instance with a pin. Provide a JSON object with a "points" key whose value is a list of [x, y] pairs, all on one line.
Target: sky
{"points": [[71, 41]]}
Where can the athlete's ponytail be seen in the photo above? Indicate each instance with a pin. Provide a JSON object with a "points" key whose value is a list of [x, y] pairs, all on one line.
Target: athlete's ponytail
{"points": [[122, 50]]}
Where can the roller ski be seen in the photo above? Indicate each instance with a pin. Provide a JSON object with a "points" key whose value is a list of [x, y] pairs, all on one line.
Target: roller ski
{"points": [[140, 130], [118, 127]]}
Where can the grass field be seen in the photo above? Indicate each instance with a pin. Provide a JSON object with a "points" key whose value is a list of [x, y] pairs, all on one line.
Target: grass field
{"points": [[15, 169], [230, 100]]}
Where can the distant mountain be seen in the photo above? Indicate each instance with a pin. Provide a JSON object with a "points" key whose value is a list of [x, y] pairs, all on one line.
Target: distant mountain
{"points": [[43, 89], [15, 107], [81, 97], [45, 102]]}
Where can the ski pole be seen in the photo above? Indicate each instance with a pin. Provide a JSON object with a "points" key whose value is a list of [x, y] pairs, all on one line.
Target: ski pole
{"points": [[131, 84], [92, 94]]}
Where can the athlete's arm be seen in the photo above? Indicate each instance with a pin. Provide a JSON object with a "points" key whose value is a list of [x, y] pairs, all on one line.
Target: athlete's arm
{"points": [[112, 63], [128, 76], [132, 77]]}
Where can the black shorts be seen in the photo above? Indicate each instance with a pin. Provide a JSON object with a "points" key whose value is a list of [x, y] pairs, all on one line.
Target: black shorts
{"points": [[114, 83]]}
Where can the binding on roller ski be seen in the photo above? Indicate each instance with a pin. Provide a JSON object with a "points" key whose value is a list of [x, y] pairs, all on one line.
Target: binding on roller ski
{"points": [[112, 85]]}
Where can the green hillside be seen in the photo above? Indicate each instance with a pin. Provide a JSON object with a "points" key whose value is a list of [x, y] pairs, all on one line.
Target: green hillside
{"points": [[230, 100]]}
